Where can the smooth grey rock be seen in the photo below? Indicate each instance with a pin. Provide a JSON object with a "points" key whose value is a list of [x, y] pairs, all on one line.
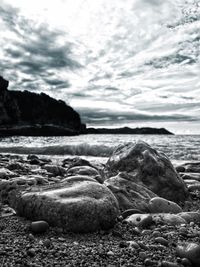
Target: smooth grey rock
{"points": [[164, 218], [162, 205], [129, 194], [77, 205], [190, 216]]}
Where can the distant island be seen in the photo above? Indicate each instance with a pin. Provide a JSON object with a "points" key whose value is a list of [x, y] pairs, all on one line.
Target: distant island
{"points": [[127, 130], [31, 114]]}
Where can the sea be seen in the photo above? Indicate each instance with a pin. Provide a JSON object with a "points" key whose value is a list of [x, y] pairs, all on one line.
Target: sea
{"points": [[99, 147]]}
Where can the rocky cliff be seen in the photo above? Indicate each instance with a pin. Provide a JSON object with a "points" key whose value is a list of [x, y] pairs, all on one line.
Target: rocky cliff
{"points": [[27, 113]]}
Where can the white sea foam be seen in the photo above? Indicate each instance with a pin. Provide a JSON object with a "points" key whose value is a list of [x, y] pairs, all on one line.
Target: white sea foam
{"points": [[176, 147]]}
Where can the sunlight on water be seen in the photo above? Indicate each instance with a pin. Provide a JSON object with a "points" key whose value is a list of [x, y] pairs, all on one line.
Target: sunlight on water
{"points": [[176, 147]]}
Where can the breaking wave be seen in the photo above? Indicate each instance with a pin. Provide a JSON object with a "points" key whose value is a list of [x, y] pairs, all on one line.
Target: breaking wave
{"points": [[83, 149]]}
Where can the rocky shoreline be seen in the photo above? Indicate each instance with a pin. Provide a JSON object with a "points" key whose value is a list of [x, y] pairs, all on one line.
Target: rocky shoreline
{"points": [[148, 230]]}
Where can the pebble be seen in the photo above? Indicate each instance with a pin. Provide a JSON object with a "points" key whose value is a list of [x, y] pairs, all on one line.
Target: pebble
{"points": [[148, 262], [161, 241], [146, 222], [123, 244], [146, 232], [169, 264], [110, 253], [39, 227], [47, 243], [31, 237], [31, 252], [156, 234], [186, 262], [134, 244], [142, 255]]}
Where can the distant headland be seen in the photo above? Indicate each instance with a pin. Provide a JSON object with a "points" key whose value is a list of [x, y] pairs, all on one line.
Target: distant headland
{"points": [[31, 114]]}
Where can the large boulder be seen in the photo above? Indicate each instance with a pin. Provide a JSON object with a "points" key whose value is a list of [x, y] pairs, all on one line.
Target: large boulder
{"points": [[149, 168], [79, 204], [129, 194]]}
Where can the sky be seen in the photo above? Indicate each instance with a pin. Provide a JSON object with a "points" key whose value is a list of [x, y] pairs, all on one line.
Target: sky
{"points": [[118, 63]]}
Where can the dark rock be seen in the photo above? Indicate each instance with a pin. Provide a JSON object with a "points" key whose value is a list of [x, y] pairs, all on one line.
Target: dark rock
{"points": [[149, 168], [190, 251], [9, 111], [127, 130], [39, 227], [27, 113]]}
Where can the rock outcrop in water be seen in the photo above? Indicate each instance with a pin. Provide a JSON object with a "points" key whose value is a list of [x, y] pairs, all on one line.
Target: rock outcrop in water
{"points": [[27, 113], [127, 130]]}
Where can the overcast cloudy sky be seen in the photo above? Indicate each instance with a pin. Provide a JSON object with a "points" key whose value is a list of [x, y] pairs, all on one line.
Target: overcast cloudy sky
{"points": [[124, 62]]}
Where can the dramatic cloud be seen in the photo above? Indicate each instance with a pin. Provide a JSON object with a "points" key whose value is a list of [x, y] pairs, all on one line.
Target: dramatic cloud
{"points": [[116, 62], [34, 56]]}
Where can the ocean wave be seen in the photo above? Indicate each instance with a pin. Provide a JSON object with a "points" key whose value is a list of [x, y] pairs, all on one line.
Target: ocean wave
{"points": [[83, 149]]}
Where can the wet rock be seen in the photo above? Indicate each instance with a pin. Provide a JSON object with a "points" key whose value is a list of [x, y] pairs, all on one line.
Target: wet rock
{"points": [[190, 251], [149, 168], [55, 170], [85, 170], [161, 205], [129, 212], [6, 174], [194, 187], [186, 262], [168, 219], [78, 205], [31, 252], [156, 218], [39, 227], [161, 241], [169, 264], [190, 216], [191, 176], [140, 220], [192, 167], [129, 194]]}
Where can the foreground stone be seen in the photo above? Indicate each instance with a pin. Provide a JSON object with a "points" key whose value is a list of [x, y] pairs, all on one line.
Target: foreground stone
{"points": [[129, 194], [78, 205], [159, 204], [190, 251], [156, 218], [149, 168], [39, 227]]}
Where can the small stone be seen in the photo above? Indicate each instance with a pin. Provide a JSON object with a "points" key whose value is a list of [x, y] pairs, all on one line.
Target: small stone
{"points": [[142, 255], [123, 244], [186, 262], [110, 253], [156, 233], [142, 245], [148, 262], [31, 252], [31, 237], [47, 243], [161, 241], [146, 232], [169, 264], [134, 244], [39, 227]]}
